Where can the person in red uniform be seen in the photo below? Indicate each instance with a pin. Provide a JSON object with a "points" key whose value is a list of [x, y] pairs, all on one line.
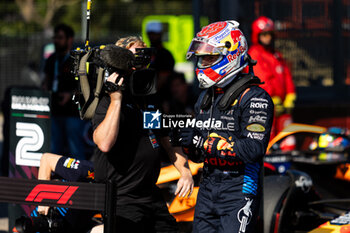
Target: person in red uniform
{"points": [[273, 70]]}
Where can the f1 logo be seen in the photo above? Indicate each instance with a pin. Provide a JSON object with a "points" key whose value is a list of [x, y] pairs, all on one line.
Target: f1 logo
{"points": [[61, 193], [151, 120]]}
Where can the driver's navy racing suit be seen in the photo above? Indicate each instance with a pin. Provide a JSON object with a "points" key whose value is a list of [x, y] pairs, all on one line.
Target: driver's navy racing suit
{"points": [[235, 143]]}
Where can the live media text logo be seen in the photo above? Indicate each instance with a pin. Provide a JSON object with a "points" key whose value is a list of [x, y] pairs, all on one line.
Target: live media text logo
{"points": [[157, 120]]}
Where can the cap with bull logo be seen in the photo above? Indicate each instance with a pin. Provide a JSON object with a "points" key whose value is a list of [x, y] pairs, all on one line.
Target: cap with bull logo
{"points": [[220, 49]]}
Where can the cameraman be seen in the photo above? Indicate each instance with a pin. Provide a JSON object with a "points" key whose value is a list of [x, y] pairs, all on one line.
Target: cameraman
{"points": [[129, 155]]}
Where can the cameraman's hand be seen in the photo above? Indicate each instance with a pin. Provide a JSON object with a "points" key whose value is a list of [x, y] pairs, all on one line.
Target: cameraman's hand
{"points": [[117, 95], [43, 210]]}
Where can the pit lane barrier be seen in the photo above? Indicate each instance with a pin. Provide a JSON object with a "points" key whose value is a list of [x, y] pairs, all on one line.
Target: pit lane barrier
{"points": [[75, 195]]}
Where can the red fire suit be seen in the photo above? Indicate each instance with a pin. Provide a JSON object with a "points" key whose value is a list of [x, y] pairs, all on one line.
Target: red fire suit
{"points": [[273, 70]]}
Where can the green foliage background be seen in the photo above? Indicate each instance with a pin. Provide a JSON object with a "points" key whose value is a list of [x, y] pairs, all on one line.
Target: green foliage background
{"points": [[108, 17]]}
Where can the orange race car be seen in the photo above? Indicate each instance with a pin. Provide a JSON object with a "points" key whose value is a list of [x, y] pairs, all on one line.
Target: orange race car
{"points": [[292, 201]]}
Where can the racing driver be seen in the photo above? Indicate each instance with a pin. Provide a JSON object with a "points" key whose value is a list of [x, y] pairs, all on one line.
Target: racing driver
{"points": [[232, 127]]}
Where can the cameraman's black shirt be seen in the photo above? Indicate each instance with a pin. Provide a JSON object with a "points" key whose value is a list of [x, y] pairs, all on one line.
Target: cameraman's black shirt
{"points": [[133, 161]]}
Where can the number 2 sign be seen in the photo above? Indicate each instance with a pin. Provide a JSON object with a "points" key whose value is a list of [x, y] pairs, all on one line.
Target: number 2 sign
{"points": [[32, 140], [29, 126]]}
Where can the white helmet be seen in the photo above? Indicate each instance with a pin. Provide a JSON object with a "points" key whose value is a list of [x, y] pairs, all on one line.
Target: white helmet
{"points": [[220, 49]]}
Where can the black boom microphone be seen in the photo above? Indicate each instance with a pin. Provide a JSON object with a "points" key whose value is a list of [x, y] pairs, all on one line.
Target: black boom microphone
{"points": [[117, 57]]}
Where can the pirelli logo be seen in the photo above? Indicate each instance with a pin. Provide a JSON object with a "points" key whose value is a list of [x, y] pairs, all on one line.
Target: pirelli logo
{"points": [[61, 193]]}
